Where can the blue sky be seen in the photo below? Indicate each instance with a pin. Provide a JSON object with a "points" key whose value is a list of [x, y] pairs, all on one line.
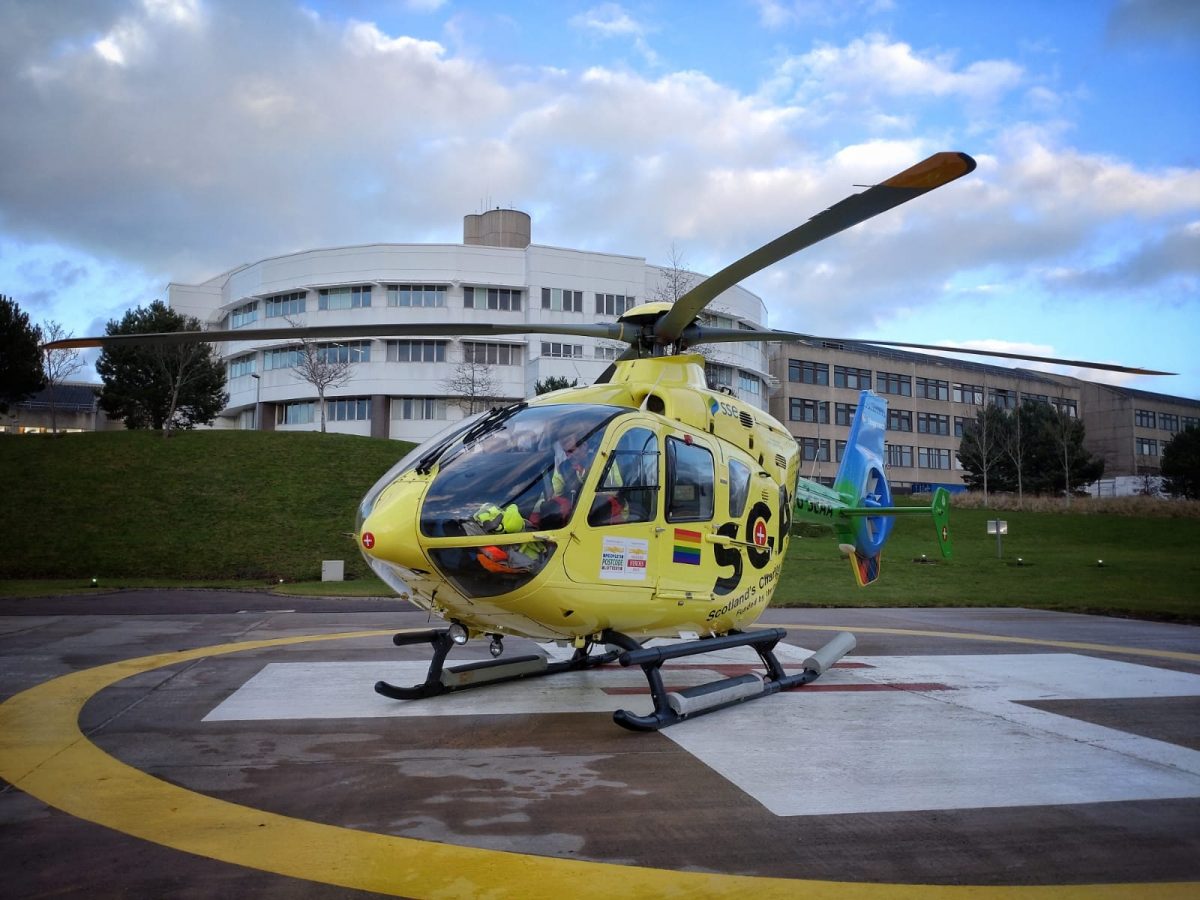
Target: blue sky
{"points": [[150, 141]]}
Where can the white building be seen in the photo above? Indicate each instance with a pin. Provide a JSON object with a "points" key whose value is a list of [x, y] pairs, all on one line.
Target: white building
{"points": [[399, 388]]}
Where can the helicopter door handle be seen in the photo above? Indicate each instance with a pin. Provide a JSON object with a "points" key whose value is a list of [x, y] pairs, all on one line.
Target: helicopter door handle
{"points": [[659, 530]]}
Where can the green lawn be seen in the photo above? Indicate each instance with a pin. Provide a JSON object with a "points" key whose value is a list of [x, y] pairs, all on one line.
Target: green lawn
{"points": [[1151, 566], [233, 505], [246, 509]]}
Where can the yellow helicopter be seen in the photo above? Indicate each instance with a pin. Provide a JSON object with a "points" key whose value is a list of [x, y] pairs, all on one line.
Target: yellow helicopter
{"points": [[643, 506]]}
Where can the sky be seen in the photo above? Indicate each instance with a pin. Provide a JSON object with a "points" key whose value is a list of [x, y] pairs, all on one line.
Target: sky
{"points": [[152, 141]]}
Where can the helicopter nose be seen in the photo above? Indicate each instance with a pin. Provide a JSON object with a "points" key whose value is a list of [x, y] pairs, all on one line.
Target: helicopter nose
{"points": [[390, 532]]}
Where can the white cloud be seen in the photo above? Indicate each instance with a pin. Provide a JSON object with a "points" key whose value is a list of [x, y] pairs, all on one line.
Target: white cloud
{"points": [[198, 154], [874, 67], [610, 20]]}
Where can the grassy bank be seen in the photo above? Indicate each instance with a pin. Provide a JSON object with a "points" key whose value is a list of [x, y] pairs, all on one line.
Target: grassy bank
{"points": [[245, 509], [234, 505]]}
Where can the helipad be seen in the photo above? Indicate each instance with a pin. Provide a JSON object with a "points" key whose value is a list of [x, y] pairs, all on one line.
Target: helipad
{"points": [[223, 749]]}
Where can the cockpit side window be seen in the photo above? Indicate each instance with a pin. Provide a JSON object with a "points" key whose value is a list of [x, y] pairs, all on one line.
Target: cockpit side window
{"points": [[628, 487], [689, 482], [739, 488], [534, 460]]}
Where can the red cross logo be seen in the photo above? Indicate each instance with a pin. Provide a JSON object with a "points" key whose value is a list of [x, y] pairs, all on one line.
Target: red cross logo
{"points": [[760, 533], [368, 540]]}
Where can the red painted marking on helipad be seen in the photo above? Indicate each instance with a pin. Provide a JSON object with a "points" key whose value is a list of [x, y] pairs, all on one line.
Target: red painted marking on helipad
{"points": [[848, 688]]}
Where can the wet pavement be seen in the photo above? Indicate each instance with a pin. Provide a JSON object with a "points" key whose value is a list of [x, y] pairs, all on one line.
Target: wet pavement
{"points": [[232, 751]]}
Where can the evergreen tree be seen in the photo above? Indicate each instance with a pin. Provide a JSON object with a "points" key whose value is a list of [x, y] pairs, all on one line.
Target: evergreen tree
{"points": [[554, 383], [21, 372], [1181, 464], [160, 385]]}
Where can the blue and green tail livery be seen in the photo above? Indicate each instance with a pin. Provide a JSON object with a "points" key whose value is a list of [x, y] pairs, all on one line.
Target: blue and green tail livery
{"points": [[859, 505]]}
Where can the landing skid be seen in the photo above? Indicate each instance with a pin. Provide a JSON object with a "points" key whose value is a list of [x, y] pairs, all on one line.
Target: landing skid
{"points": [[669, 706], [675, 706], [441, 680]]}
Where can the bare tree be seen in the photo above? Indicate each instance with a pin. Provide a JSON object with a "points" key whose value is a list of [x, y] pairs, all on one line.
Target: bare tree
{"points": [[1014, 447], [472, 385], [324, 366], [674, 278], [57, 365], [1079, 466], [981, 447]]}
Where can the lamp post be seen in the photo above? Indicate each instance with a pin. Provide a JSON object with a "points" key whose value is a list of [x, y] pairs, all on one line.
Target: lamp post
{"points": [[257, 394]]}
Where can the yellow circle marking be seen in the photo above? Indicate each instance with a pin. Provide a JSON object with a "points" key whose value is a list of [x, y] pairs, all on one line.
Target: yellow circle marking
{"points": [[43, 752]]}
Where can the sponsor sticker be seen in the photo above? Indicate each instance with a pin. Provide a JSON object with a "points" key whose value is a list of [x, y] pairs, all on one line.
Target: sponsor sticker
{"points": [[624, 559]]}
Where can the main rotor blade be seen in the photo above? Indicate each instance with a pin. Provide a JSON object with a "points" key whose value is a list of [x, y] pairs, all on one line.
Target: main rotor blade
{"points": [[698, 334], [937, 170], [616, 331]]}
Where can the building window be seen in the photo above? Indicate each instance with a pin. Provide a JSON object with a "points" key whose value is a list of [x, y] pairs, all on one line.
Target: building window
{"points": [[839, 449], [804, 372], [352, 409], [281, 358], [899, 420], [843, 413], [933, 458], [932, 423], [960, 423], [814, 449], [560, 300], [900, 456], [800, 410], [609, 353], [491, 354], [1002, 398], [717, 375], [749, 384], [849, 377], [1066, 407], [967, 393], [285, 305], [243, 315], [348, 352], [356, 297], [416, 351], [613, 304], [1187, 422], [1168, 422], [1147, 447], [300, 413], [1035, 398], [502, 299], [427, 296], [241, 366], [933, 389], [1143, 418], [891, 383], [418, 408], [556, 350]]}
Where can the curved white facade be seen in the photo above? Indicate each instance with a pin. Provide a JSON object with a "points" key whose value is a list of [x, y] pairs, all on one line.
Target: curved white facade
{"points": [[412, 400]]}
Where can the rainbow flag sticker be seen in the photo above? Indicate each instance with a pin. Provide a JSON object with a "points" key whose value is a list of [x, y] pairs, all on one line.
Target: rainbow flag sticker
{"points": [[687, 547]]}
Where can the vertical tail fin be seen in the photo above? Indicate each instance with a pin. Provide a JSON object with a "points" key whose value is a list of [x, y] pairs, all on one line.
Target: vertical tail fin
{"points": [[861, 483]]}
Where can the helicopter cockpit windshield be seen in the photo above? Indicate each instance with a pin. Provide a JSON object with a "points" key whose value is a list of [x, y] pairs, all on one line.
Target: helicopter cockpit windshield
{"points": [[515, 472]]}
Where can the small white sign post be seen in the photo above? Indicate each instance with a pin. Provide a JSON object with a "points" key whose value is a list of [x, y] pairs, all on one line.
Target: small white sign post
{"points": [[998, 527]]}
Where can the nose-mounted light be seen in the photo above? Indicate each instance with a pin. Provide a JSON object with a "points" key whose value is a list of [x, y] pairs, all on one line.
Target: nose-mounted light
{"points": [[458, 633]]}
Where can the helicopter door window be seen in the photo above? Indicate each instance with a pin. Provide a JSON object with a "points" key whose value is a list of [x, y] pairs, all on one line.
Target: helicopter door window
{"points": [[689, 482], [628, 487], [739, 488]]}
